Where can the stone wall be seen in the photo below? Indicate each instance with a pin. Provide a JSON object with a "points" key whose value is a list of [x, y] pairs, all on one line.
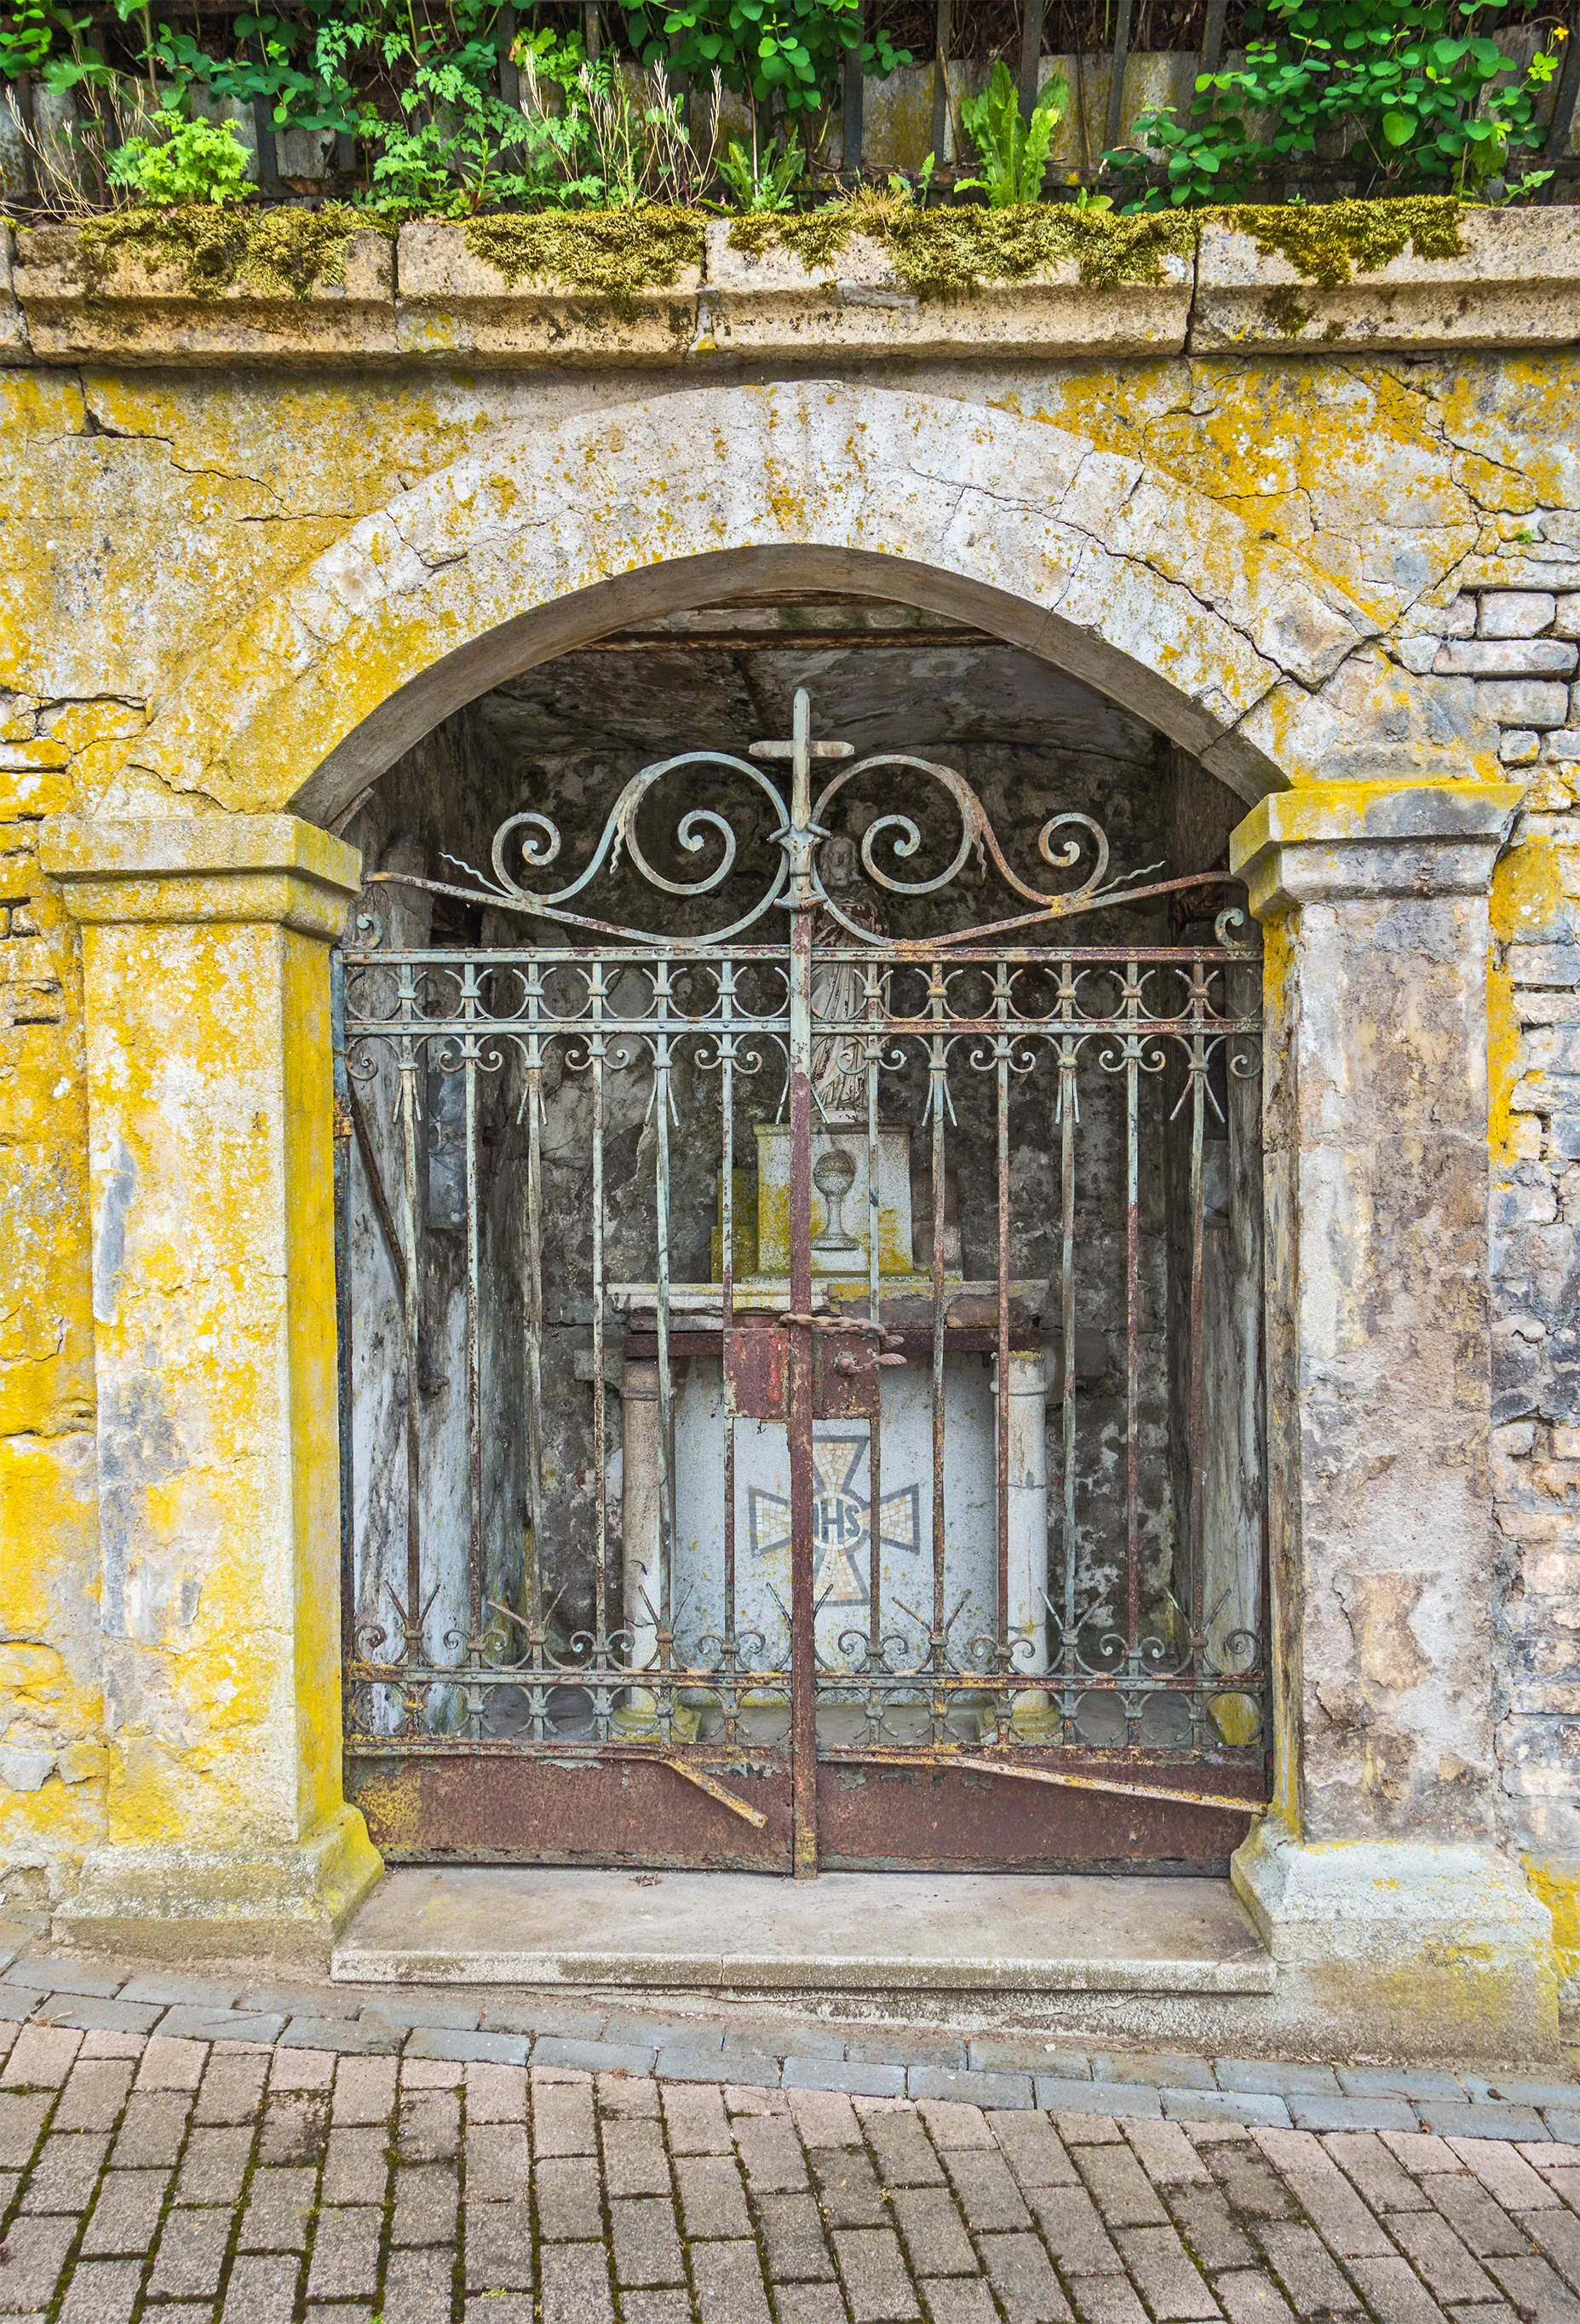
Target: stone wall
{"points": [[1382, 508]]}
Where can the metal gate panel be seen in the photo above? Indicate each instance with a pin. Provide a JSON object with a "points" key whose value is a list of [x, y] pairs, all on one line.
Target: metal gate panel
{"points": [[1095, 1692]]}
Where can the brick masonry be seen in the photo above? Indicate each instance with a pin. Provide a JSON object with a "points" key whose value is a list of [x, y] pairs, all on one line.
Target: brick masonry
{"points": [[417, 2179]]}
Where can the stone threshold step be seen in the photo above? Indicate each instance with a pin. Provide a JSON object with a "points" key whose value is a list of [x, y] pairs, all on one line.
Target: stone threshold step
{"points": [[844, 1932]]}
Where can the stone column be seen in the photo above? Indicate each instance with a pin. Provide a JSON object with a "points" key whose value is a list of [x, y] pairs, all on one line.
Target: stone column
{"points": [[642, 1531], [1379, 1881], [1026, 1612], [206, 1001]]}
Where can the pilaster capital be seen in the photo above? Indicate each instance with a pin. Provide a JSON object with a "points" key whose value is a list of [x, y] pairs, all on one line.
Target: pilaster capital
{"points": [[202, 869], [1336, 842]]}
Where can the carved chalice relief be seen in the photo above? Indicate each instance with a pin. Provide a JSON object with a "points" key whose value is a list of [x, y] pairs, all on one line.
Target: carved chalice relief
{"points": [[833, 1174]]}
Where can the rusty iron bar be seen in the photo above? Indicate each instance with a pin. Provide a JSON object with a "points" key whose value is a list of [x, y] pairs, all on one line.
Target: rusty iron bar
{"points": [[475, 1546], [345, 1119], [727, 1279], [874, 1002], [1197, 1445], [1133, 1326], [980, 1765], [1001, 1416], [596, 1054], [802, 1468], [716, 1791], [533, 1325], [412, 1312]]}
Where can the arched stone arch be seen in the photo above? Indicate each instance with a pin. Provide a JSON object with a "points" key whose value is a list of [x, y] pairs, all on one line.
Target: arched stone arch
{"points": [[538, 541]]}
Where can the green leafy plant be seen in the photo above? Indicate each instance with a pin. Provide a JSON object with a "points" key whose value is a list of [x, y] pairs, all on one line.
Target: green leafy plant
{"points": [[762, 181], [1012, 148], [784, 52], [915, 189], [1415, 93], [183, 162]]}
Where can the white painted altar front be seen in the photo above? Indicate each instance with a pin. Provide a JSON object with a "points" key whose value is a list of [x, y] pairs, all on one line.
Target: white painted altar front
{"points": [[689, 1472]]}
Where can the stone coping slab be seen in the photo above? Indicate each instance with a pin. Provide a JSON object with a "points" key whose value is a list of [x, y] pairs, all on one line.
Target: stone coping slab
{"points": [[427, 299], [852, 1931]]}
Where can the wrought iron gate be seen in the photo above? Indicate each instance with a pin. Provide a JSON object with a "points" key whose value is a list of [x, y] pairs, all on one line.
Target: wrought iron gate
{"points": [[700, 1505]]}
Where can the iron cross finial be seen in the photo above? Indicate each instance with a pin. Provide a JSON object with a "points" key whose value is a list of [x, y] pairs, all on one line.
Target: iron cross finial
{"points": [[800, 835]]}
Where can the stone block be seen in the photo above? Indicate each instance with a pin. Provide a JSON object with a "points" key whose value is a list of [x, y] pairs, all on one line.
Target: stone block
{"points": [[1247, 2107], [972, 2090], [1507, 285], [1561, 747], [485, 2049], [1458, 619], [1519, 747], [1547, 964], [1566, 617], [1516, 613], [1522, 701], [1507, 657], [844, 2074], [456, 302]]}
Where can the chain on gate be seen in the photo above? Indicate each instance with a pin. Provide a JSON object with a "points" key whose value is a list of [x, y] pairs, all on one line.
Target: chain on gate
{"points": [[757, 1555]]}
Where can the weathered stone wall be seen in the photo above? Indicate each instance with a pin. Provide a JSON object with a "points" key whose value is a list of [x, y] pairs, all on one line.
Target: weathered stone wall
{"points": [[1412, 517]]}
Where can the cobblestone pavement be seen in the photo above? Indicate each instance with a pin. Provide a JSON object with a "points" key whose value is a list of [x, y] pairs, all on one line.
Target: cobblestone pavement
{"points": [[231, 2169]]}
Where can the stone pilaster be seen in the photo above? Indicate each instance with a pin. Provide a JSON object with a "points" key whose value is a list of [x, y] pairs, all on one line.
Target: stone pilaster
{"points": [[207, 1000], [1379, 1880]]}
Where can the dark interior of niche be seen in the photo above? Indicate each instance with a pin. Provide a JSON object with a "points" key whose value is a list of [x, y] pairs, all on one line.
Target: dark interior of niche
{"points": [[992, 28]]}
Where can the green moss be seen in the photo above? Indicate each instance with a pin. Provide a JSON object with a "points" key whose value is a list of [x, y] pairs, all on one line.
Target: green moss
{"points": [[946, 252], [611, 254], [278, 254], [1329, 243]]}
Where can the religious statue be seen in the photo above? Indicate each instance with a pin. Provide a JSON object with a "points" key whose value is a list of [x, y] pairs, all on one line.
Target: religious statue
{"points": [[839, 987]]}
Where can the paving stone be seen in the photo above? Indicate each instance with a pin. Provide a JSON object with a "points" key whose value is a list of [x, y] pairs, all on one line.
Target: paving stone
{"points": [[356, 2167], [1014, 2053], [635, 2161], [1520, 2089], [1116, 2100], [365, 2091], [533, 2016], [771, 2154], [340, 2036], [1557, 2234], [985, 2191], [172, 1989], [1307, 2269], [214, 2165], [1563, 2123], [804, 2304], [874, 2277], [232, 2088], [429, 2126], [585, 2057], [1484, 2228], [649, 2307], [496, 2240], [695, 2122], [262, 2290], [712, 2200], [1249, 2182], [151, 2130], [958, 2300], [1103, 2300], [562, 2118], [1507, 2176], [280, 2204], [499, 2166], [494, 2094], [1272, 2077], [125, 2217], [294, 2127], [727, 2281], [1392, 2289], [905, 2154], [908, 2046], [824, 2118], [94, 2093], [644, 2238], [419, 2290], [1021, 2273], [66, 2171], [1036, 2154], [1338, 2214], [426, 2199], [1352, 2114], [1362, 2157], [102, 2017], [54, 1973], [951, 2124], [21, 2124], [934, 2235], [1209, 2228], [1120, 2188], [191, 2254], [1167, 2156], [570, 2204], [793, 2243], [491, 2049], [345, 2252], [102, 2291], [1248, 2297], [575, 2281], [848, 2188], [1398, 2083], [856, 2081], [975, 2089], [1420, 2153], [1074, 2233], [1164, 2274], [37, 2249], [168, 2064], [647, 2032], [1192, 2104], [40, 2058], [431, 2012], [1467, 2120], [1439, 2257], [1535, 2290], [1163, 2070]]}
